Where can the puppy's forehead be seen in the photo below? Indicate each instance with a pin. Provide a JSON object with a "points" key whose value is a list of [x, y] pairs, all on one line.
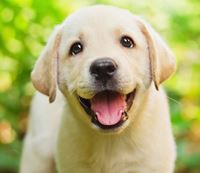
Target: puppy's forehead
{"points": [[99, 16]]}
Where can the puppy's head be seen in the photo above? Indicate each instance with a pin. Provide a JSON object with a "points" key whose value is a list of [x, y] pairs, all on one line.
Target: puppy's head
{"points": [[103, 59]]}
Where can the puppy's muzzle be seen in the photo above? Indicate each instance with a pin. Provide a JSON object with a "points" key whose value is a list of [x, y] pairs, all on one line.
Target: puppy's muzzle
{"points": [[109, 106], [103, 69]]}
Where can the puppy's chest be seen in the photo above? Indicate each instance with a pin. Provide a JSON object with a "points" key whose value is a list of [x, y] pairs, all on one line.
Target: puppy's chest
{"points": [[112, 162], [108, 159], [102, 156]]}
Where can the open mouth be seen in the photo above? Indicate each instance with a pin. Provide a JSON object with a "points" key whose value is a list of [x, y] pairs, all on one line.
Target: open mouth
{"points": [[108, 109]]}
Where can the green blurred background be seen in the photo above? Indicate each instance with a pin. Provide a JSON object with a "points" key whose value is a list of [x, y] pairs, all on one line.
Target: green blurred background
{"points": [[25, 26]]}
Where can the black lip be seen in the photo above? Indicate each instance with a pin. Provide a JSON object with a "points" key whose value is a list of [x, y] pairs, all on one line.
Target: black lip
{"points": [[85, 103]]}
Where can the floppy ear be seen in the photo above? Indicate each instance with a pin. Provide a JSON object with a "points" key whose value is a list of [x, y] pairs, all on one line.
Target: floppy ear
{"points": [[161, 58], [44, 74]]}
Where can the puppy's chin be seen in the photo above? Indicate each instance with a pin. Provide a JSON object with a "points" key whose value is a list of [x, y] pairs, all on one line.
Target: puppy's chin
{"points": [[108, 111]]}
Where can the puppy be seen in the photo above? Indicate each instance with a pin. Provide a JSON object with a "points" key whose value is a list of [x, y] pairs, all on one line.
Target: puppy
{"points": [[101, 70]]}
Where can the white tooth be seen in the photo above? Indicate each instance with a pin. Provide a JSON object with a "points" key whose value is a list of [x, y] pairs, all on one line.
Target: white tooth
{"points": [[124, 118], [123, 115], [97, 113]]}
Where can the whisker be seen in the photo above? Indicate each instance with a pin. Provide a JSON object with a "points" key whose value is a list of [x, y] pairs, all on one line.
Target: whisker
{"points": [[175, 101]]}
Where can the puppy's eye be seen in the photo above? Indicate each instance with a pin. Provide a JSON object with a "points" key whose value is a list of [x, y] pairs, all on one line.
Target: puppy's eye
{"points": [[127, 42], [76, 48]]}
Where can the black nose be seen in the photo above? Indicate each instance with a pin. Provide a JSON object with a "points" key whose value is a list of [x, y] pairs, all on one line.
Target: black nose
{"points": [[103, 69]]}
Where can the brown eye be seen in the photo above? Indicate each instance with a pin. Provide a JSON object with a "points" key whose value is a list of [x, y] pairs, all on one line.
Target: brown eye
{"points": [[127, 42], [76, 48]]}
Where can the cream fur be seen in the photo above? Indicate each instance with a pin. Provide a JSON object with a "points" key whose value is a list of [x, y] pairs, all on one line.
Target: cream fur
{"points": [[62, 133]]}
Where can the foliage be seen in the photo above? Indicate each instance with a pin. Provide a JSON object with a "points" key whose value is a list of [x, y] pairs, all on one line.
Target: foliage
{"points": [[25, 26]]}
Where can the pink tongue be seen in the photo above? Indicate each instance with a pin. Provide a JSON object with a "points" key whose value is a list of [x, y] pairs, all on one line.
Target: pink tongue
{"points": [[109, 107]]}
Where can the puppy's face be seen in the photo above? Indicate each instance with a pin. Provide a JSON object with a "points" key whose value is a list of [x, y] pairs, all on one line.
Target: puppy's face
{"points": [[103, 60]]}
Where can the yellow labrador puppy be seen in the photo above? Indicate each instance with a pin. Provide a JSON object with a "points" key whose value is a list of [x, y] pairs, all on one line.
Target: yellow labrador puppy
{"points": [[101, 70]]}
